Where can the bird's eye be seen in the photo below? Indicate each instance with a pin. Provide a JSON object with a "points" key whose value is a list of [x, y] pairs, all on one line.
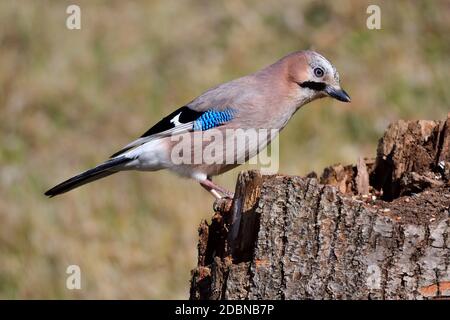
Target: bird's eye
{"points": [[318, 72]]}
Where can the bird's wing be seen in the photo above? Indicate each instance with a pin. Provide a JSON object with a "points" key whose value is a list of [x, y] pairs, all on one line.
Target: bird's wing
{"points": [[185, 119], [213, 108]]}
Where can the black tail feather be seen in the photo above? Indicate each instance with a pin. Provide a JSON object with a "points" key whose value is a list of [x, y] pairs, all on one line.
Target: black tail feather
{"points": [[100, 171]]}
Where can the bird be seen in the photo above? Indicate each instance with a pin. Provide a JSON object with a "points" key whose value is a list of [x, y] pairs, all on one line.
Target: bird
{"points": [[266, 99]]}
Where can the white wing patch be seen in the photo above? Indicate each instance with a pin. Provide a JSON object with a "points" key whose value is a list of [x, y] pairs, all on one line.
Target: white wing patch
{"points": [[165, 128], [176, 120]]}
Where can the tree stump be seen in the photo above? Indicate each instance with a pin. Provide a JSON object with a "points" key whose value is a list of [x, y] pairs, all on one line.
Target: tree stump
{"points": [[376, 230]]}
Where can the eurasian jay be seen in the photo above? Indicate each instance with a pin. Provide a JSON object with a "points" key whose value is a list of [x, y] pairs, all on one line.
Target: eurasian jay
{"points": [[266, 99]]}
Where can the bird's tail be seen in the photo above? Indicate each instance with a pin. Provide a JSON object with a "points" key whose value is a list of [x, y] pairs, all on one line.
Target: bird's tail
{"points": [[100, 171]]}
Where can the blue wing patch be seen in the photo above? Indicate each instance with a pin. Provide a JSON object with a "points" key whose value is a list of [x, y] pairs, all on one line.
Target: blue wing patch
{"points": [[212, 118]]}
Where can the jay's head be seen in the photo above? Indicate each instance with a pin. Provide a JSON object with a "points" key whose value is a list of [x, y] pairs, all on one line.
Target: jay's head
{"points": [[314, 76]]}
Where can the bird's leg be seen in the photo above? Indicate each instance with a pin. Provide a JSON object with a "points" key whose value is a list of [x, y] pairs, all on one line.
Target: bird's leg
{"points": [[210, 190], [224, 191], [214, 189]]}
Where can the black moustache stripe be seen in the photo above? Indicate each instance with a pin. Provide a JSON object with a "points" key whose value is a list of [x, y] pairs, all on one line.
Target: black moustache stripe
{"points": [[317, 86]]}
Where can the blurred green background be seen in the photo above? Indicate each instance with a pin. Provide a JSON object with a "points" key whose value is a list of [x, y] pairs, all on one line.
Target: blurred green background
{"points": [[69, 98]]}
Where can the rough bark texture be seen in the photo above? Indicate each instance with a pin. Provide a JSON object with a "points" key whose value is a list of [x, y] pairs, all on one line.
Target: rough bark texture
{"points": [[376, 230]]}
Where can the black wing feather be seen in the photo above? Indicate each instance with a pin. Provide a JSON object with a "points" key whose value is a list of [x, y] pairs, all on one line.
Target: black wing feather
{"points": [[186, 115]]}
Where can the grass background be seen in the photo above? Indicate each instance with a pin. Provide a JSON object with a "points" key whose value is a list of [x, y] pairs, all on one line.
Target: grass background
{"points": [[68, 99]]}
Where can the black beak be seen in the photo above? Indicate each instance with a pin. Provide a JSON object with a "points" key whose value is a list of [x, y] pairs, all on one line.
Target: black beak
{"points": [[337, 93]]}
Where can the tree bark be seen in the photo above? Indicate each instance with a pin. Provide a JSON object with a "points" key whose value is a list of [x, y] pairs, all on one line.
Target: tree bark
{"points": [[376, 230]]}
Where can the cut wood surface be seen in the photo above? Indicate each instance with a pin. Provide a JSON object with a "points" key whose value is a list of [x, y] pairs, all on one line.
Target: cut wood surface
{"points": [[375, 230]]}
